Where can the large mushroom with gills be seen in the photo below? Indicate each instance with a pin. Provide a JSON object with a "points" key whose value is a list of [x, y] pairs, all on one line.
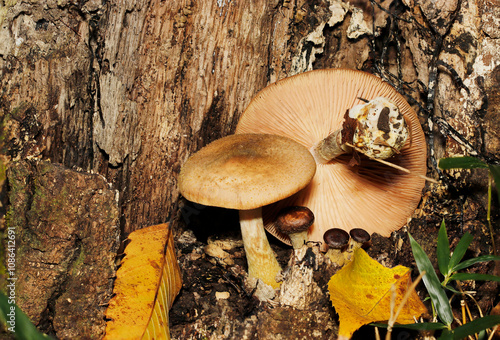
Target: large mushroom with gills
{"points": [[247, 172], [350, 189]]}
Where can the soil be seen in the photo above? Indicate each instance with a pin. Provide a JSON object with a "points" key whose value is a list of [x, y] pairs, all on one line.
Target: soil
{"points": [[215, 302]]}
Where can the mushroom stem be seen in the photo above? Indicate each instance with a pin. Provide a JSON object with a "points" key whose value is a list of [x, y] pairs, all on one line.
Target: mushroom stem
{"points": [[336, 256], [377, 129], [298, 239], [330, 147], [360, 238], [262, 263]]}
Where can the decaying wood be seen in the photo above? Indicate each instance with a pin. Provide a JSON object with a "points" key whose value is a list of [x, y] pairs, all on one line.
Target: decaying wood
{"points": [[130, 88], [67, 235]]}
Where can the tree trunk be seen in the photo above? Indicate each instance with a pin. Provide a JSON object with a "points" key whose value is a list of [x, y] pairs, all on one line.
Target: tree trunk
{"points": [[130, 88]]}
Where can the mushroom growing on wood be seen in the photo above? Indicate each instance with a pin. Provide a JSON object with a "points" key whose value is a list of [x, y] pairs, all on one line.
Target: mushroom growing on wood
{"points": [[359, 239], [246, 172], [294, 222], [337, 241], [311, 106]]}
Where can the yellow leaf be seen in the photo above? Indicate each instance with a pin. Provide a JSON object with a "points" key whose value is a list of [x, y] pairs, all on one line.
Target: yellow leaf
{"points": [[361, 293], [146, 285]]}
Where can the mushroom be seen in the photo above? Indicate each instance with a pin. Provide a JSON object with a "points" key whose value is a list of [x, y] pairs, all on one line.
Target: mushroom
{"points": [[376, 128], [360, 238], [311, 106], [337, 241], [294, 222], [246, 172]]}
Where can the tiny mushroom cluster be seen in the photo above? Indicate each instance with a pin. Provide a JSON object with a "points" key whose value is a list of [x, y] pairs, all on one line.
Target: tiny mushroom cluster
{"points": [[347, 119], [247, 172], [342, 244]]}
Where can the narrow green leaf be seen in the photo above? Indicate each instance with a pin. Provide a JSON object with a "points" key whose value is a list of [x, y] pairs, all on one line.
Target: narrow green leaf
{"points": [[431, 282], [470, 262], [461, 163], [475, 326], [495, 172], [17, 322], [443, 250], [422, 326], [446, 335], [451, 289], [460, 250], [475, 277]]}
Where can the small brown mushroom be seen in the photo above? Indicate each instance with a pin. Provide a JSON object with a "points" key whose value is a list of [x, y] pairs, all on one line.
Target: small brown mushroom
{"points": [[337, 241], [359, 239], [294, 222], [246, 172]]}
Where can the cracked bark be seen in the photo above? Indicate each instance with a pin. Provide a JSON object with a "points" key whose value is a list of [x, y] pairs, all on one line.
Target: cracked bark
{"points": [[67, 236], [129, 89]]}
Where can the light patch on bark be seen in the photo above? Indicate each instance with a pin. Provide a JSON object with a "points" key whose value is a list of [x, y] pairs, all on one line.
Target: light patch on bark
{"points": [[357, 26], [488, 58], [339, 11], [304, 61]]}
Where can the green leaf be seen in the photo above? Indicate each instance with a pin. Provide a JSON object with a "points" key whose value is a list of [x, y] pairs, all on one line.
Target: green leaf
{"points": [[461, 163], [18, 322], [475, 277], [422, 326], [470, 262], [443, 250], [451, 289], [460, 250], [476, 326], [495, 172], [447, 334], [431, 282]]}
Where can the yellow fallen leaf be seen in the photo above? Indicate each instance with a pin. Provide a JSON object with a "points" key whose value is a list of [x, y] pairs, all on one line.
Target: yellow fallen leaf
{"points": [[361, 294], [146, 285]]}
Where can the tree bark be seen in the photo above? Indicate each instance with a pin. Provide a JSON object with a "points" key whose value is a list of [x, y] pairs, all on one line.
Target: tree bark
{"points": [[131, 88]]}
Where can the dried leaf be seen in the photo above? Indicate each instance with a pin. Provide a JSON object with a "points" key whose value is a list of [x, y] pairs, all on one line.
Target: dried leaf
{"points": [[146, 285], [361, 294]]}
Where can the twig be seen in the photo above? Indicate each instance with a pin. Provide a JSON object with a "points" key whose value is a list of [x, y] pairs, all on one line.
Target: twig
{"points": [[392, 165], [394, 316]]}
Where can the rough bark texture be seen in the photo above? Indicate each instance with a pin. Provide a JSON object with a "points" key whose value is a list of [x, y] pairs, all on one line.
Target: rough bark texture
{"points": [[67, 235], [131, 88]]}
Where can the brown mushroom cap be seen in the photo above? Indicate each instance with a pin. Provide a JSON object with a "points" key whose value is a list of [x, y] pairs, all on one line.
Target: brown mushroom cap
{"points": [[246, 171], [336, 238], [307, 108], [360, 235], [294, 220]]}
